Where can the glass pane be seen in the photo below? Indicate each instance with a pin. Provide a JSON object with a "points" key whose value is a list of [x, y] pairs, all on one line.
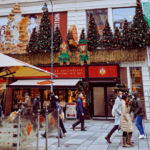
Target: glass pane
{"points": [[136, 82], [100, 15], [119, 15], [99, 105], [110, 95]]}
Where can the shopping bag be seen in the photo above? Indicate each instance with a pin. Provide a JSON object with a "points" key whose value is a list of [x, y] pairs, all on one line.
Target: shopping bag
{"points": [[12, 116]]}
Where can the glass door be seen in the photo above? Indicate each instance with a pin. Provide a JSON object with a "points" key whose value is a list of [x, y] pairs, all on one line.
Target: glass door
{"points": [[99, 101], [110, 95]]}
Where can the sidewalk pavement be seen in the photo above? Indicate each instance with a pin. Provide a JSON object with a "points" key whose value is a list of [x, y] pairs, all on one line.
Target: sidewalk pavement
{"points": [[93, 138]]}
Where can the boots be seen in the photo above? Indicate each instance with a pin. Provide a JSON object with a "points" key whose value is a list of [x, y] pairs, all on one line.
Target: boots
{"points": [[129, 140], [108, 139], [124, 142]]}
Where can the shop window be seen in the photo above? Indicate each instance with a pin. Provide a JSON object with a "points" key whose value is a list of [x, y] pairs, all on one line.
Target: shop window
{"points": [[136, 82], [100, 15], [120, 14], [110, 96]]}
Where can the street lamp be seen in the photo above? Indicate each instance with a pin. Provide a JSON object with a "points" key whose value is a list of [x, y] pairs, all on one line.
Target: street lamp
{"points": [[44, 8]]}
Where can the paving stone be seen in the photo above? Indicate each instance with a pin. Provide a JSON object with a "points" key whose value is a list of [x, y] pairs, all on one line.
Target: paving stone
{"points": [[112, 147], [73, 141], [97, 147]]}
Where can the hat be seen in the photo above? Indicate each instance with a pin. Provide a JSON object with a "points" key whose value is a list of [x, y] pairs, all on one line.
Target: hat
{"points": [[83, 41], [56, 97]]}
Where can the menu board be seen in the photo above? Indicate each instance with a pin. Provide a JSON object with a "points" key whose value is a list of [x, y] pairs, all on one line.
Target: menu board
{"points": [[71, 110]]}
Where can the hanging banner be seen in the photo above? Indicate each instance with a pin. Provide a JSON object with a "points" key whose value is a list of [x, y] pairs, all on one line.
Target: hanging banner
{"points": [[71, 110], [100, 15]]}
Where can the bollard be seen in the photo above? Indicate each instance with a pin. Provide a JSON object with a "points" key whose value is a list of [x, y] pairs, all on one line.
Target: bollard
{"points": [[46, 129], [58, 129], [37, 146], [18, 130]]}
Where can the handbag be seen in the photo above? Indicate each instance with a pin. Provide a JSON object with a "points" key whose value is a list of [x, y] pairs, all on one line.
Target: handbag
{"points": [[61, 115], [113, 111]]}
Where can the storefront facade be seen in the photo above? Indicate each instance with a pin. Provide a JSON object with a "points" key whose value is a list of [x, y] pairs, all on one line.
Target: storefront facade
{"points": [[135, 74]]}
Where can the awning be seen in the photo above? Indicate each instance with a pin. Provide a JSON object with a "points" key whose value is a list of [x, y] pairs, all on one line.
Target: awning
{"points": [[11, 67], [39, 83]]}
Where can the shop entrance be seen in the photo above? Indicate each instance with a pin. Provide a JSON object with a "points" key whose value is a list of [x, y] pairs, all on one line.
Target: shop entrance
{"points": [[101, 100]]}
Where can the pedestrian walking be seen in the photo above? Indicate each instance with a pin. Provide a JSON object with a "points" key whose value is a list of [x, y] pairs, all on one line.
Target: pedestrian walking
{"points": [[53, 104], [80, 113], [27, 104], [60, 119], [126, 124], [139, 113], [117, 113], [36, 105]]}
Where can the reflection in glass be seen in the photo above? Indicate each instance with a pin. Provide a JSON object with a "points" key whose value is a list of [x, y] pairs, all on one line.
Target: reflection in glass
{"points": [[119, 15]]}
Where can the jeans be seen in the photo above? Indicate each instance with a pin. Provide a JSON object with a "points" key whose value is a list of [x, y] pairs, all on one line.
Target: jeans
{"points": [[62, 126], [113, 130], [139, 124]]}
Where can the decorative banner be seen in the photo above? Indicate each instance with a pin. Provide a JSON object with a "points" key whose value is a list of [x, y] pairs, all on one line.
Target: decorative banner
{"points": [[146, 7], [71, 110], [73, 31], [100, 16], [102, 71]]}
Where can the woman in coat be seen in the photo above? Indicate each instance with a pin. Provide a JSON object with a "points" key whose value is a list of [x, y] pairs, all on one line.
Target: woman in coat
{"points": [[126, 124]]}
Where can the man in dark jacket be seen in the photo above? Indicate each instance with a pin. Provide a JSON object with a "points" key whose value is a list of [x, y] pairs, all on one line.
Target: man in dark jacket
{"points": [[36, 102], [139, 113], [80, 113]]}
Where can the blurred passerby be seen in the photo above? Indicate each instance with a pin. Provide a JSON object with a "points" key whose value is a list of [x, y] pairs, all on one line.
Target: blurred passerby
{"points": [[126, 124], [117, 113], [80, 113], [139, 113], [27, 104], [60, 119]]}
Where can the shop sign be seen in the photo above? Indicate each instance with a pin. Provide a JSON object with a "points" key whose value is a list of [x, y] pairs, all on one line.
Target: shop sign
{"points": [[71, 110], [102, 71], [136, 73], [67, 72]]}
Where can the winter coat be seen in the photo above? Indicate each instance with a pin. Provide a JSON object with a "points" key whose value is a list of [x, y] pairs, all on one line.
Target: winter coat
{"points": [[126, 124], [138, 108], [36, 104], [117, 109], [53, 103], [79, 106], [0, 110]]}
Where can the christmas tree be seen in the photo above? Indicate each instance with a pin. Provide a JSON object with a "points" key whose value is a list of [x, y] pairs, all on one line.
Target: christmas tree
{"points": [[44, 35], [107, 41], [32, 43], [139, 30], [82, 35], [116, 39], [57, 39], [93, 35], [126, 39]]}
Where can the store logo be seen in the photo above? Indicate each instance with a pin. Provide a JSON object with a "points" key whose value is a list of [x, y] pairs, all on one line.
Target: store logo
{"points": [[102, 71]]}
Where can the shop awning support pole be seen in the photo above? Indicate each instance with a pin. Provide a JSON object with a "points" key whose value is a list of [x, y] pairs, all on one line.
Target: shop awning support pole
{"points": [[52, 50], [37, 147], [18, 131], [58, 129], [46, 129]]}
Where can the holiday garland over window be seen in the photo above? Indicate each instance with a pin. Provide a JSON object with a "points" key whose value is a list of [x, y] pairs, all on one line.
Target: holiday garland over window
{"points": [[57, 39], [44, 35], [135, 37]]}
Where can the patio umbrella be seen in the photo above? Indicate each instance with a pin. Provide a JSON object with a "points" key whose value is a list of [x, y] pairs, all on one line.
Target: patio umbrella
{"points": [[11, 67]]}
